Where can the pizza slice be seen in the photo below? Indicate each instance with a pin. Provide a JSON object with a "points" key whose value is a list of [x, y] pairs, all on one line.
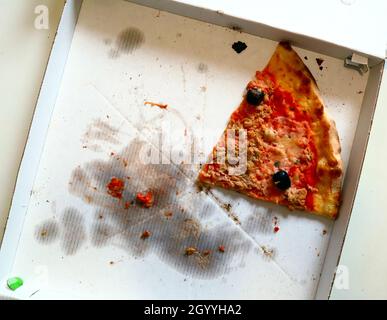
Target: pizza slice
{"points": [[287, 148]]}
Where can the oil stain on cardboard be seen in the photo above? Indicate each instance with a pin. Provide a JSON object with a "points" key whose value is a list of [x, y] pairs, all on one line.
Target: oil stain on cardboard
{"points": [[178, 219], [127, 41], [70, 230]]}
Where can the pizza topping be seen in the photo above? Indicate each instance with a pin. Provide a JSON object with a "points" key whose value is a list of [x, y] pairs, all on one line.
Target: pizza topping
{"points": [[190, 251], [296, 198], [281, 180], [255, 96], [145, 199], [146, 234], [115, 187], [239, 46], [286, 159]]}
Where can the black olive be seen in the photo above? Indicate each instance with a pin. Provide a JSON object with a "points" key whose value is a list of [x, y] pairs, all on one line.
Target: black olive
{"points": [[254, 96], [281, 180]]}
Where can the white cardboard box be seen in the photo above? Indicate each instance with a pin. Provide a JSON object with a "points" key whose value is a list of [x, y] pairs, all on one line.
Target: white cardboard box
{"points": [[91, 104]]}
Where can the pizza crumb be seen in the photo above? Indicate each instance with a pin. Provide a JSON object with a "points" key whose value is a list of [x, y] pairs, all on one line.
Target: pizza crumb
{"points": [[206, 253], [145, 199], [146, 234], [227, 206], [324, 232], [276, 229], [127, 205], [168, 214], [221, 248], [306, 58], [115, 187], [154, 104], [190, 251], [267, 252]]}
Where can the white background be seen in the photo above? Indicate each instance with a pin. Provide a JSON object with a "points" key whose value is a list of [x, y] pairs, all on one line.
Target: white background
{"points": [[361, 25]]}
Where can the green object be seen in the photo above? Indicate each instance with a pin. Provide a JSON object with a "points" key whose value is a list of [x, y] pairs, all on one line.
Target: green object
{"points": [[14, 283]]}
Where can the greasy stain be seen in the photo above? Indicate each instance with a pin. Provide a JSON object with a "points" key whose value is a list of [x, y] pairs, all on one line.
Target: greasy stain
{"points": [[202, 68], [69, 230], [127, 41], [74, 234], [116, 224], [99, 131], [47, 232]]}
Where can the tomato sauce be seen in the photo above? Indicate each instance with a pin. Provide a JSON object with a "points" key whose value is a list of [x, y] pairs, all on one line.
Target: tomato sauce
{"points": [[115, 187]]}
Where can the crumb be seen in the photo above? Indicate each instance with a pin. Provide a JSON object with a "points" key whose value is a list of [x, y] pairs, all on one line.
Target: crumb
{"points": [[43, 233], [168, 214], [276, 229], [321, 68], [112, 154], [125, 163], [227, 206], [324, 232], [100, 216], [236, 28], [146, 234], [221, 248], [190, 251], [306, 58], [360, 92], [111, 262], [145, 199], [153, 104], [267, 252], [234, 218], [84, 147], [206, 253], [203, 88], [127, 205], [115, 187]]}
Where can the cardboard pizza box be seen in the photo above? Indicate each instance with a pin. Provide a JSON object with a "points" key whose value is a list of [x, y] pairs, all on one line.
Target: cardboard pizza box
{"points": [[68, 239]]}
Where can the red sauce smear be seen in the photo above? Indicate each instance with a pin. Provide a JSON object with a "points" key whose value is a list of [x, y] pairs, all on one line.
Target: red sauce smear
{"points": [[115, 187], [145, 199], [154, 104]]}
